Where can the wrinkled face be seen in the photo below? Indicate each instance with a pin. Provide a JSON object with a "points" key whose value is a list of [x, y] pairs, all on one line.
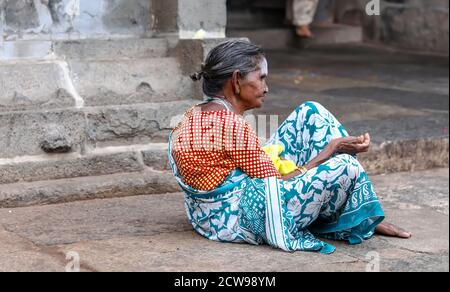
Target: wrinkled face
{"points": [[253, 87]]}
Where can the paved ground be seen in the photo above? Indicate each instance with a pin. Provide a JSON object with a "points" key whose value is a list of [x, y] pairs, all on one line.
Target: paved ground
{"points": [[151, 233], [393, 95]]}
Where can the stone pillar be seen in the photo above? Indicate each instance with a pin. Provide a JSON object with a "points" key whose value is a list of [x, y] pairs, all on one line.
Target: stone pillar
{"points": [[417, 25], [74, 19], [410, 24], [190, 19], [2, 20]]}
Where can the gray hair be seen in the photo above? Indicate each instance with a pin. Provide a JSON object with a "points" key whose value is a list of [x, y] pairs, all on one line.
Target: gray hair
{"points": [[223, 60]]}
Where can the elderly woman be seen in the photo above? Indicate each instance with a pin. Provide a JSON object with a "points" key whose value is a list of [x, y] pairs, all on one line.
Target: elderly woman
{"points": [[234, 192]]}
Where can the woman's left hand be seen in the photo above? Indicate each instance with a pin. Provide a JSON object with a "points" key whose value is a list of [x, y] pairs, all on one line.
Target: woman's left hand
{"points": [[362, 144]]}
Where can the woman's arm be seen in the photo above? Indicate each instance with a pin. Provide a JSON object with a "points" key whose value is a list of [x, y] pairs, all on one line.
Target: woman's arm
{"points": [[350, 145], [243, 147], [318, 160]]}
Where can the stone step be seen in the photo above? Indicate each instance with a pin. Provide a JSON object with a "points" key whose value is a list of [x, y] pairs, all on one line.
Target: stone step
{"points": [[270, 38], [84, 188], [114, 49], [331, 34], [146, 171], [131, 81], [133, 124], [103, 161], [23, 133], [280, 38], [85, 49], [26, 133], [14, 50], [388, 157], [30, 85]]}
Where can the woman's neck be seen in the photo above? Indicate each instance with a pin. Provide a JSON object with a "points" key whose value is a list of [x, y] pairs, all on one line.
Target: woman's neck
{"points": [[233, 101]]}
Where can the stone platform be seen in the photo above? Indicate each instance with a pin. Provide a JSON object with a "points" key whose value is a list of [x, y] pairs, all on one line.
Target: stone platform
{"points": [[151, 233]]}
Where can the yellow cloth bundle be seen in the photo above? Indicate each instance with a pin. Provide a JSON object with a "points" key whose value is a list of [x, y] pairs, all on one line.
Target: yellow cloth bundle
{"points": [[284, 167]]}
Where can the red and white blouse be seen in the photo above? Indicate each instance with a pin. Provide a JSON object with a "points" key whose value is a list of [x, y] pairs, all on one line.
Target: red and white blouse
{"points": [[208, 145]]}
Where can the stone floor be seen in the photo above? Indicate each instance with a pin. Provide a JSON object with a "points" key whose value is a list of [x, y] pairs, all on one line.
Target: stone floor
{"points": [[151, 233], [393, 95]]}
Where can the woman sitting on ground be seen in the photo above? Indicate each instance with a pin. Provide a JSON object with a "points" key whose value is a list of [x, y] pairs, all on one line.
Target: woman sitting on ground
{"points": [[234, 192]]}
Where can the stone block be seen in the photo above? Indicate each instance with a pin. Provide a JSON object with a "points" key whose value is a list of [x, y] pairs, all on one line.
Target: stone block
{"points": [[21, 14], [56, 140], [69, 167], [156, 159], [135, 124], [33, 85], [11, 50], [23, 133], [130, 81], [428, 32], [85, 188], [111, 49]]}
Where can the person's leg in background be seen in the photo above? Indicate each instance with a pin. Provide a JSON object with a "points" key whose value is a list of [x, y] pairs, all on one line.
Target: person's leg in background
{"points": [[301, 14]]}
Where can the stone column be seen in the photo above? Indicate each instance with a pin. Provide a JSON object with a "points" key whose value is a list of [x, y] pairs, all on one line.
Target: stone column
{"points": [[190, 19], [2, 20]]}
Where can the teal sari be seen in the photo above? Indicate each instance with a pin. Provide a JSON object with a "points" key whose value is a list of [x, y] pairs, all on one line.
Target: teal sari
{"points": [[333, 201]]}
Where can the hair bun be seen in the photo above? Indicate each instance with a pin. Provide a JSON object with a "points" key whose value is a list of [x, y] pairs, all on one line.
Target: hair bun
{"points": [[197, 76]]}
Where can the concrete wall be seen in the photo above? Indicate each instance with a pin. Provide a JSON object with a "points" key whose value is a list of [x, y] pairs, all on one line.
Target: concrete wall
{"points": [[44, 19], [416, 24], [411, 24]]}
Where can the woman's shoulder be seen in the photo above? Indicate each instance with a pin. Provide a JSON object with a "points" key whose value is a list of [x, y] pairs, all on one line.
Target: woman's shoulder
{"points": [[219, 111], [210, 107], [196, 115]]}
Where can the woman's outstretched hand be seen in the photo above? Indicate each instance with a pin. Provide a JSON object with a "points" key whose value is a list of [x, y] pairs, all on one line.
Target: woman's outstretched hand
{"points": [[351, 145]]}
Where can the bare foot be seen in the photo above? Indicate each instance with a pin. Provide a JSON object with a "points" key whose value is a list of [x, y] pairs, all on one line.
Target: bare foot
{"points": [[389, 229], [303, 31]]}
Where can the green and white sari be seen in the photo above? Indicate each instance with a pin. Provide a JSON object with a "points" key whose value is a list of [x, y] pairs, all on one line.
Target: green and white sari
{"points": [[334, 201]]}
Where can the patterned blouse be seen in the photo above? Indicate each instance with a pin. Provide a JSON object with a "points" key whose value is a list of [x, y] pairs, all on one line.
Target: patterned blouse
{"points": [[209, 145]]}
